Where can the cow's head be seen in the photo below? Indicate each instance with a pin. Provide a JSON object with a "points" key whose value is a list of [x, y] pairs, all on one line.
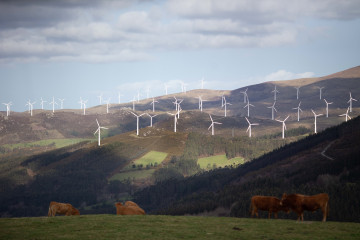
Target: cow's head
{"points": [[74, 211], [282, 199]]}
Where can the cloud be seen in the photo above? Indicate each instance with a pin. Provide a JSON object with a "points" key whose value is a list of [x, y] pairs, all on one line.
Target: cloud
{"points": [[285, 75]]}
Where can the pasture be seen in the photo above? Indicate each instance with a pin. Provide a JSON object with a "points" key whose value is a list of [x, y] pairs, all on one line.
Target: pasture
{"points": [[151, 157], [217, 161], [170, 227], [57, 143]]}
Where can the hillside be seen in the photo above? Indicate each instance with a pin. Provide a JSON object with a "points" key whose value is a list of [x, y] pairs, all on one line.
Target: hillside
{"points": [[325, 162]]}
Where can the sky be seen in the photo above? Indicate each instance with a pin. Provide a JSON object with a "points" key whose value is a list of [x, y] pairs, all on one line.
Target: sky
{"points": [[78, 48]]}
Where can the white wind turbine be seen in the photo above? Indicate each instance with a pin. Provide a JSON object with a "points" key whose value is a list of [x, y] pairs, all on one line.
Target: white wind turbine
{"points": [[133, 103], [320, 89], [147, 92], [98, 130], [8, 108], [327, 107], [248, 106], [137, 122], [275, 91], [175, 119], [201, 103], [272, 110], [100, 98], [83, 104], [138, 96], [153, 103], [53, 104], [346, 115], [283, 126], [212, 125], [316, 115], [202, 83], [166, 89], [297, 92], [250, 124], [151, 119], [298, 110], [224, 105], [119, 97], [42, 103], [245, 95], [350, 101], [31, 105], [61, 102], [107, 105]]}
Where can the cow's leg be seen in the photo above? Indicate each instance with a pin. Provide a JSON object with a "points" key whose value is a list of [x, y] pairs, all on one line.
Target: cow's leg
{"points": [[324, 211], [269, 215], [302, 216], [275, 215]]}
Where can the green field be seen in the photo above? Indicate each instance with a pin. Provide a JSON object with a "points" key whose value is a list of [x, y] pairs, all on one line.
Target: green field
{"points": [[58, 143], [136, 174], [151, 157], [170, 227], [220, 161]]}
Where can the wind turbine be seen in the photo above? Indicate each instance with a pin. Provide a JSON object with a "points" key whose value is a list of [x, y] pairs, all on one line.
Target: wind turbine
{"points": [[202, 83], [166, 89], [297, 92], [272, 110], [212, 125], [119, 97], [137, 122], [83, 103], [316, 115], [8, 108], [138, 96], [151, 119], [248, 106], [298, 110], [153, 103], [42, 103], [98, 130], [250, 124], [175, 120], [62, 103], [320, 89], [53, 104], [275, 91], [31, 105], [346, 115], [350, 101], [245, 95], [201, 103], [107, 105], [147, 92], [100, 98], [224, 105], [327, 107], [283, 126], [133, 102]]}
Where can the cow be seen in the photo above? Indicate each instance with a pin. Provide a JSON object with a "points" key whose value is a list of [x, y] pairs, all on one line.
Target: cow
{"points": [[62, 208], [130, 208], [300, 203], [266, 203]]}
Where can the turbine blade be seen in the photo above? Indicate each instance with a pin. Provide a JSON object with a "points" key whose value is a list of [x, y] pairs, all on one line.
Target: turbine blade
{"points": [[247, 120], [97, 122]]}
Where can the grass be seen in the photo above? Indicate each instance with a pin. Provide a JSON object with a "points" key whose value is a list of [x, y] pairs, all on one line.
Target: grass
{"points": [[219, 160], [171, 227], [59, 143], [151, 157], [136, 174]]}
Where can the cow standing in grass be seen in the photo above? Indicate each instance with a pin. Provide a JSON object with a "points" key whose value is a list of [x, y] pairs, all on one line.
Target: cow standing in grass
{"points": [[266, 203], [300, 203], [62, 208], [129, 208]]}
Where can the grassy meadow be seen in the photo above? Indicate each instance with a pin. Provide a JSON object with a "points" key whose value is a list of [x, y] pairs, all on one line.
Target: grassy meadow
{"points": [[220, 161], [171, 227], [58, 143]]}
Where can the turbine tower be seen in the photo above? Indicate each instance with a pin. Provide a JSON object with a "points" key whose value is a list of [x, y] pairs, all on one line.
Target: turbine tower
{"points": [[166, 89], [151, 119], [275, 91], [201, 103], [100, 98], [272, 110], [250, 124], [31, 105], [202, 83], [175, 120], [320, 89], [315, 115], [212, 125], [224, 105], [81, 103], [8, 108], [137, 122], [327, 107], [153, 103], [346, 115], [283, 126], [119, 97], [53, 104], [98, 130], [133, 103], [84, 104], [248, 106], [350, 101], [42, 103], [107, 105], [297, 92], [298, 110], [61, 103], [245, 95]]}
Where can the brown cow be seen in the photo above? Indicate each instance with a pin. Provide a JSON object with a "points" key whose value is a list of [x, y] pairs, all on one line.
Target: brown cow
{"points": [[266, 203], [300, 203], [62, 208], [128, 209], [131, 203]]}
